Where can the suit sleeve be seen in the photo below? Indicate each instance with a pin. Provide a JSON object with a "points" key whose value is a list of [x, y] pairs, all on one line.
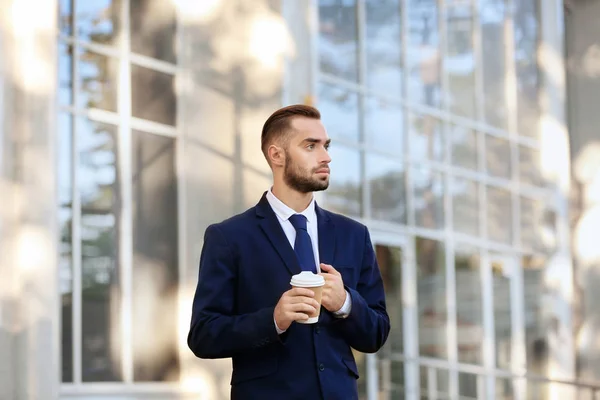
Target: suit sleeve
{"points": [[367, 326], [215, 331]]}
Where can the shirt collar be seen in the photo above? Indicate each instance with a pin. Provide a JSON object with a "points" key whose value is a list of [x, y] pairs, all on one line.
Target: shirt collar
{"points": [[284, 212]]}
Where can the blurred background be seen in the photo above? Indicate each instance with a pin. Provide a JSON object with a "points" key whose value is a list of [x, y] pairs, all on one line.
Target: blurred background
{"points": [[465, 136]]}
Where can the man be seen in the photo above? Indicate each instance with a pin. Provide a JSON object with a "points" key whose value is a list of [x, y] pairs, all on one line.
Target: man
{"points": [[244, 307]]}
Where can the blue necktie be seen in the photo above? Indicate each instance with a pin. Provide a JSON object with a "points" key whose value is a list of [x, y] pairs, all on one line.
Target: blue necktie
{"points": [[303, 244]]}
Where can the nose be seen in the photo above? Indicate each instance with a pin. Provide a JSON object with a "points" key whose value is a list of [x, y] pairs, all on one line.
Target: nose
{"points": [[325, 157]]}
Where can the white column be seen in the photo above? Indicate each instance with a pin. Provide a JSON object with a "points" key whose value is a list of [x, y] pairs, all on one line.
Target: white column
{"points": [[554, 137], [29, 314]]}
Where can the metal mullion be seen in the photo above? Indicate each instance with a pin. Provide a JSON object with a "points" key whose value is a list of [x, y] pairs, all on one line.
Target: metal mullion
{"points": [[153, 64], [518, 348], [126, 231], [489, 351], [362, 79], [76, 218], [109, 51], [478, 54], [411, 321]]}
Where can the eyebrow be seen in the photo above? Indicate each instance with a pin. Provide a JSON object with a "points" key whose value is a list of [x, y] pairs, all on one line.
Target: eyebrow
{"points": [[313, 140]]}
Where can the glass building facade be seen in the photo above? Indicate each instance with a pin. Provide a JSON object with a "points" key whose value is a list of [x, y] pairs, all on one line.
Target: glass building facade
{"points": [[447, 127]]}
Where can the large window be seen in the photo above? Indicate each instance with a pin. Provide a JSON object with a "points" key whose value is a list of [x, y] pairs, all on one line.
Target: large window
{"points": [[432, 107], [118, 191]]}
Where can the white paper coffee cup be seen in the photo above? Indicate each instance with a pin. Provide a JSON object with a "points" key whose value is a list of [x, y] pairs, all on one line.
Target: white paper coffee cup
{"points": [[314, 282]]}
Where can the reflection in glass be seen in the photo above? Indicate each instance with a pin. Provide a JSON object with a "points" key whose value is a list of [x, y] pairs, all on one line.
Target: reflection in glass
{"points": [[463, 147], [384, 125], [153, 28], [469, 309], [99, 20], [431, 298], [338, 42], [98, 75], [389, 259], [428, 198], [459, 65], [501, 275], [99, 189], [493, 47], [497, 154], [388, 189], [65, 74], [468, 385], [66, 17], [440, 377], [155, 261], [526, 33], [530, 166], [153, 95], [383, 47], [504, 389], [423, 54], [345, 188], [499, 215], [465, 206], [538, 225], [339, 112], [426, 137], [65, 221]]}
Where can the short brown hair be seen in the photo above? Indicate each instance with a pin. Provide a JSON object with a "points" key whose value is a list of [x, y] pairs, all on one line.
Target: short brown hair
{"points": [[278, 123]]}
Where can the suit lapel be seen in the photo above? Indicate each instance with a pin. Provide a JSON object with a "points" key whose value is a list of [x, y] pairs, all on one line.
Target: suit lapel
{"points": [[272, 229], [326, 236]]}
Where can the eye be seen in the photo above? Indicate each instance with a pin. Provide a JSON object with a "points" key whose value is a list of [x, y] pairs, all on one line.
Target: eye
{"points": [[311, 146]]}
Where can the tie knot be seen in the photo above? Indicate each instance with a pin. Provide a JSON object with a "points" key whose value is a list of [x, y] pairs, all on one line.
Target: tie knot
{"points": [[298, 221]]}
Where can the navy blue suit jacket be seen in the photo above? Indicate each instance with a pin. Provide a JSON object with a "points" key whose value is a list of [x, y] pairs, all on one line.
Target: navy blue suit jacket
{"points": [[245, 266]]}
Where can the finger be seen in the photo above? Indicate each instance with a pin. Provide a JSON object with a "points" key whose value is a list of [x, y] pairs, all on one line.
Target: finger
{"points": [[329, 269], [302, 307], [299, 317], [302, 299]]}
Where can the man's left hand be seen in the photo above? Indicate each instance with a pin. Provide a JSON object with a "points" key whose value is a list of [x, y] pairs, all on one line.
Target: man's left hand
{"points": [[334, 293]]}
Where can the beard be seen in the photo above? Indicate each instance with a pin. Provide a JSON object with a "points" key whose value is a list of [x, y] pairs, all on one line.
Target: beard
{"points": [[301, 180]]}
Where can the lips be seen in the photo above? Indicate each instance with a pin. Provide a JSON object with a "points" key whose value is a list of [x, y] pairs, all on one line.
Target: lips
{"points": [[322, 171]]}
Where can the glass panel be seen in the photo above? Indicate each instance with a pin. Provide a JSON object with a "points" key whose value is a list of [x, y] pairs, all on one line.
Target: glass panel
{"points": [[384, 125], [426, 137], [429, 198], [345, 189], [465, 205], [497, 153], [389, 259], [504, 389], [98, 80], [153, 95], [383, 46], [499, 214], [388, 189], [65, 74], [66, 17], [501, 276], [155, 259], [530, 166], [469, 310], [459, 65], [468, 385], [493, 47], [538, 225], [434, 388], [431, 298], [396, 374], [423, 54], [526, 42], [339, 112], [99, 187], [153, 28], [338, 42], [99, 20], [537, 345], [65, 221], [463, 147]]}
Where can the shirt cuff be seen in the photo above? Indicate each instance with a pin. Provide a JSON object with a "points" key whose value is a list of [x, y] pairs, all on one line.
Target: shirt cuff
{"points": [[279, 331], [345, 310]]}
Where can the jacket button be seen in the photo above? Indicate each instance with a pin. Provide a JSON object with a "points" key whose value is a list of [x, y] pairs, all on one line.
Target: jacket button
{"points": [[317, 329], [321, 367]]}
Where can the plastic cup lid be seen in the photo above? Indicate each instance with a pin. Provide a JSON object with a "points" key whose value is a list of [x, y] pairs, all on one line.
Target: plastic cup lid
{"points": [[307, 279]]}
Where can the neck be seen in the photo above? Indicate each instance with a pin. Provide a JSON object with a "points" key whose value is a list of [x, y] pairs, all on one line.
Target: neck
{"points": [[293, 199]]}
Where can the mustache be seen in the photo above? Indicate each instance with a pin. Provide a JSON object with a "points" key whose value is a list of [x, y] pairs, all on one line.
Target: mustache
{"points": [[324, 166]]}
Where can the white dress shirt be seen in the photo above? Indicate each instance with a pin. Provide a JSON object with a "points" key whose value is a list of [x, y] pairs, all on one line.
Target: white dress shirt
{"points": [[283, 213]]}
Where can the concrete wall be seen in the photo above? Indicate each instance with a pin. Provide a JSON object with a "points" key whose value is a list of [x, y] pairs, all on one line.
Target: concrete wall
{"points": [[583, 74], [29, 327]]}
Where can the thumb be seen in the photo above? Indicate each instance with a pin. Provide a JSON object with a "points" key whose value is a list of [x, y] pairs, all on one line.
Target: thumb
{"points": [[328, 268]]}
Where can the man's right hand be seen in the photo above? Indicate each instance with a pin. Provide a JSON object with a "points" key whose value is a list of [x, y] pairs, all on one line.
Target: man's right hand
{"points": [[294, 305]]}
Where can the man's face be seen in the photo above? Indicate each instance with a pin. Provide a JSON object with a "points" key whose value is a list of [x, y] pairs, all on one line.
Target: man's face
{"points": [[307, 158]]}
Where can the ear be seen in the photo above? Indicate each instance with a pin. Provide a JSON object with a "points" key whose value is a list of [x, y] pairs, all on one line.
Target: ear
{"points": [[276, 155]]}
